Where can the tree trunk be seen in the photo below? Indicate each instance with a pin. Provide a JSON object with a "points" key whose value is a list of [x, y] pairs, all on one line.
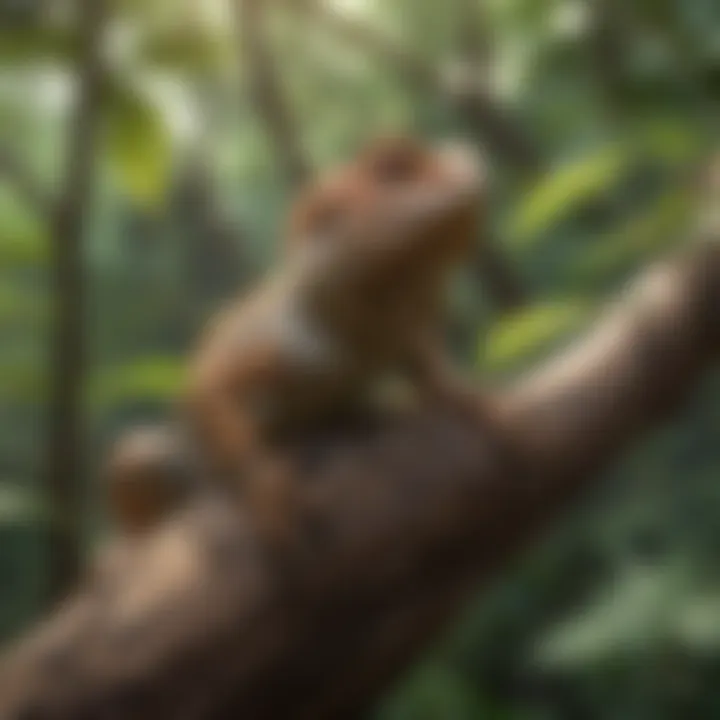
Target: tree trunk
{"points": [[64, 458]]}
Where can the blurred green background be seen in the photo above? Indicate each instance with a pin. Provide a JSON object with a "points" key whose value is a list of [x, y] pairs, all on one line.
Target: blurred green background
{"points": [[596, 117]]}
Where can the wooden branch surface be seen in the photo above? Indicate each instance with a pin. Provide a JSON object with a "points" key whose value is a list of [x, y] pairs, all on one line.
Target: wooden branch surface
{"points": [[397, 521]]}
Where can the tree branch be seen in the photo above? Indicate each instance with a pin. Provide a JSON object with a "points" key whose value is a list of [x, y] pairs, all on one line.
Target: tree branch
{"points": [[396, 521], [266, 89]]}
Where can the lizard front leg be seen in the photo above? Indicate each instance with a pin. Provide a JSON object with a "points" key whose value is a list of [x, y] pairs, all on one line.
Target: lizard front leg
{"points": [[438, 381], [234, 444]]}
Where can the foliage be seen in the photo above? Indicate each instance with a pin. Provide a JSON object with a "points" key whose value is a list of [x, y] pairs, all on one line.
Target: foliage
{"points": [[617, 616], [565, 190], [529, 332], [138, 145]]}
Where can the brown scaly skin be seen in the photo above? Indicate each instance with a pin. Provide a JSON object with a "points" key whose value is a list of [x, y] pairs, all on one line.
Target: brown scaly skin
{"points": [[383, 175], [357, 297], [385, 172]]}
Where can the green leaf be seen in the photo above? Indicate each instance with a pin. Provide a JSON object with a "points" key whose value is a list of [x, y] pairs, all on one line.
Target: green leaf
{"points": [[138, 144], [636, 613], [565, 190], [22, 232], [672, 141], [698, 623], [22, 248], [22, 306], [22, 380], [33, 45], [529, 331], [185, 50], [155, 378]]}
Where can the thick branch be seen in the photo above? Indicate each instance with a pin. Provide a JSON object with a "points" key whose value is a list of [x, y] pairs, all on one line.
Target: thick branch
{"points": [[397, 520], [266, 89]]}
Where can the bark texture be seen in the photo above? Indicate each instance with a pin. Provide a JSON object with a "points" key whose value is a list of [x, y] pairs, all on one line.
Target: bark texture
{"points": [[397, 520]]}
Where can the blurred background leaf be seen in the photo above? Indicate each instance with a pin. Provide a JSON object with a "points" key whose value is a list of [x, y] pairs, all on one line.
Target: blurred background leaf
{"points": [[138, 144], [155, 378], [532, 331], [566, 190]]}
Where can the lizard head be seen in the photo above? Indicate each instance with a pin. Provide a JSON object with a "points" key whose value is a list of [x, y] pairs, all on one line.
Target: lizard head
{"points": [[395, 184]]}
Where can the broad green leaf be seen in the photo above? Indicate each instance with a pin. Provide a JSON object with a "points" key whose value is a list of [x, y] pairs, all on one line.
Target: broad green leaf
{"points": [[673, 142], [138, 144], [21, 249], [636, 612], [22, 306], [22, 380], [155, 378], [565, 190], [33, 45], [22, 231], [529, 331]]}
